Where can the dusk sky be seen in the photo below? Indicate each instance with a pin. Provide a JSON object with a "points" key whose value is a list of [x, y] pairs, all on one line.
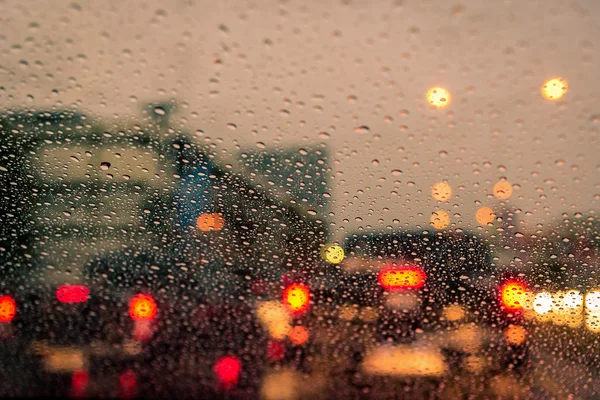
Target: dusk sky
{"points": [[285, 72]]}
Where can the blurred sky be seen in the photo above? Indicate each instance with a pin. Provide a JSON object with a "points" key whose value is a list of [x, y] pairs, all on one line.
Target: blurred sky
{"points": [[285, 71]]}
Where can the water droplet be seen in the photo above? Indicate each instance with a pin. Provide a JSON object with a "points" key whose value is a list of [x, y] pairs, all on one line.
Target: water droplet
{"points": [[362, 129], [105, 165], [311, 212], [159, 111]]}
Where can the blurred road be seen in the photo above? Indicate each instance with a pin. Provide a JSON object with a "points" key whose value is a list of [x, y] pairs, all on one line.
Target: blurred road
{"points": [[557, 367]]}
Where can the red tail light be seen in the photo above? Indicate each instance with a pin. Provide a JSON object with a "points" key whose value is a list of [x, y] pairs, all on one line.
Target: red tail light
{"points": [[79, 383], [8, 308], [296, 298], [142, 307], [393, 278], [512, 295], [128, 384], [228, 370], [275, 350], [72, 294]]}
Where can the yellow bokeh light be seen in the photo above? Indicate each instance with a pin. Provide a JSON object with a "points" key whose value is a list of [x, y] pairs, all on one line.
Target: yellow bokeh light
{"points": [[515, 334], [275, 318], [332, 253], [513, 295], [484, 216], [441, 191], [296, 298], [466, 338], [281, 385], [454, 312], [574, 319], [554, 89], [475, 364], [440, 219], [592, 322], [503, 190], [438, 97], [404, 360]]}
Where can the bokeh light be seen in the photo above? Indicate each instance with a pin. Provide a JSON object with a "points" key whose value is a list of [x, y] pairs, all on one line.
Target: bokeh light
{"points": [[142, 307], [8, 308], [79, 383], [281, 385], [515, 335], [465, 338], [210, 222], [127, 384], [438, 97], [348, 312], [404, 360], [402, 300], [228, 369], [332, 253], [275, 318], [573, 299], [406, 277], [440, 219], [592, 301], [592, 322], [441, 191], [484, 216], [512, 295], [72, 294], [558, 302], [542, 304], [503, 190], [554, 89], [299, 335], [296, 298], [453, 312]]}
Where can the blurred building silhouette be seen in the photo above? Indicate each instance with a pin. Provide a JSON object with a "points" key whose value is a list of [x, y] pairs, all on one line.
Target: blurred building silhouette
{"points": [[74, 188], [298, 175]]}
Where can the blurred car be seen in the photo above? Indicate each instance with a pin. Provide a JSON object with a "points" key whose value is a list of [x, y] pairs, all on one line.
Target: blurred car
{"points": [[436, 293]]}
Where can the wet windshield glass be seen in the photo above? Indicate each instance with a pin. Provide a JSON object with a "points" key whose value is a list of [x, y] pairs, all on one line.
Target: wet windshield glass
{"points": [[290, 199]]}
